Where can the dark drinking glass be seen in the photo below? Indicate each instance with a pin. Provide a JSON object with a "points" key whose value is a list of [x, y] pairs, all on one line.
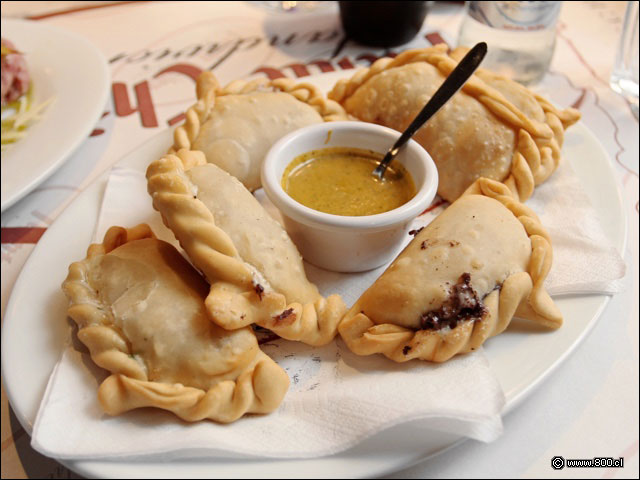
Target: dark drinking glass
{"points": [[382, 24]]}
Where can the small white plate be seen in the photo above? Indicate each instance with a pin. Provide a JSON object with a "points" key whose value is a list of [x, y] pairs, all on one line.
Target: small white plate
{"points": [[35, 332], [66, 67]]}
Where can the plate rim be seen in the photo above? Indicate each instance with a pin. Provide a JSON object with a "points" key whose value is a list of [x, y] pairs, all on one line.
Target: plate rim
{"points": [[93, 115], [88, 467]]}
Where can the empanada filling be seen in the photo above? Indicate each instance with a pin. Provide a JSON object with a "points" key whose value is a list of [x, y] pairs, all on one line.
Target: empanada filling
{"points": [[287, 317], [463, 304]]}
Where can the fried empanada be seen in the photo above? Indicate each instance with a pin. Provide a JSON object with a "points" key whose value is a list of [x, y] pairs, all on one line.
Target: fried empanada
{"points": [[254, 269], [460, 281], [236, 125], [140, 310], [493, 127]]}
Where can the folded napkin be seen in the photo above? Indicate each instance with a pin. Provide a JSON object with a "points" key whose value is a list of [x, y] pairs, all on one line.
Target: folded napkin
{"points": [[336, 399], [584, 260]]}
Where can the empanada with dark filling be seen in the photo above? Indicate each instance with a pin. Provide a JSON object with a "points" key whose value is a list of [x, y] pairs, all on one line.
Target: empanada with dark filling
{"points": [[460, 281]]}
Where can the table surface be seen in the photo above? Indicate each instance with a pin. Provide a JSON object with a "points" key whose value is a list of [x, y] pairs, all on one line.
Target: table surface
{"points": [[587, 408]]}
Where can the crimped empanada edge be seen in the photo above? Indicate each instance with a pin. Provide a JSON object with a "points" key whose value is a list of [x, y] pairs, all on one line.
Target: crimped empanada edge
{"points": [[212, 251], [108, 348], [208, 89], [522, 294], [259, 389], [538, 149]]}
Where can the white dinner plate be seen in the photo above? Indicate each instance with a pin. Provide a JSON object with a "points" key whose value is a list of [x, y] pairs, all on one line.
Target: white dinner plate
{"points": [[66, 67], [34, 334]]}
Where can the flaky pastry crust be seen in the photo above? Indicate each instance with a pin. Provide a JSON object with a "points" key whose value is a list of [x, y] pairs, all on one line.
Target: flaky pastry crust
{"points": [[388, 317], [282, 120], [271, 292], [166, 356], [537, 125]]}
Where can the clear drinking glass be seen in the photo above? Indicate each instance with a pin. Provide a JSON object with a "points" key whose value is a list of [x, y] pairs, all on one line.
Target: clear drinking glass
{"points": [[521, 36], [624, 78]]}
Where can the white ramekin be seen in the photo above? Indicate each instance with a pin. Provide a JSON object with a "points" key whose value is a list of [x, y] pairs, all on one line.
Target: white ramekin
{"points": [[341, 243]]}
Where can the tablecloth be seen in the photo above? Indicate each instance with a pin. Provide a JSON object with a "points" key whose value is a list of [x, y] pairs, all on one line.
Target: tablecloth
{"points": [[587, 408]]}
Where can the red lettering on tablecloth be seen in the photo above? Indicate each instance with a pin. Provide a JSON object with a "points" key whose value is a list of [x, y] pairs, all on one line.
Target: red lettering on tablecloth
{"points": [[21, 234], [178, 118], [143, 97], [435, 38], [299, 70], [302, 70], [369, 57], [145, 106], [345, 63], [323, 65], [184, 68], [270, 72]]}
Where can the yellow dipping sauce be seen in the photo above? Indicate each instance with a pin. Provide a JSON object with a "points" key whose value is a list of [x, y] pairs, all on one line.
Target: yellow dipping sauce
{"points": [[340, 181]]}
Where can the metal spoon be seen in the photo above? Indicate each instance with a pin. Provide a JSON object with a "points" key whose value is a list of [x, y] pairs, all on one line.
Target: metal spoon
{"points": [[449, 87]]}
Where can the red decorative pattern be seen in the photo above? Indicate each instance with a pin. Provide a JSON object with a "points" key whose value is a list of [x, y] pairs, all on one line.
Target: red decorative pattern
{"points": [[435, 38], [145, 103], [184, 68], [21, 234]]}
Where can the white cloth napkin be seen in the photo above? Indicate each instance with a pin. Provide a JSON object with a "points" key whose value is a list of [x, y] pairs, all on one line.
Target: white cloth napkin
{"points": [[336, 399]]}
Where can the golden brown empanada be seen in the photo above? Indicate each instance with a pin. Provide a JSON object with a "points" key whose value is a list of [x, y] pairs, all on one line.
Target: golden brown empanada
{"points": [[255, 271], [140, 310], [236, 125], [460, 281], [492, 128]]}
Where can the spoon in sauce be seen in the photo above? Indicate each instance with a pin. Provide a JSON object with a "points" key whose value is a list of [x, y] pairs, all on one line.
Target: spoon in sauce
{"points": [[449, 87]]}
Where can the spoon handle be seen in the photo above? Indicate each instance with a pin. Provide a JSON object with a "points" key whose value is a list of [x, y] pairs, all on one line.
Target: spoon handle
{"points": [[449, 87]]}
